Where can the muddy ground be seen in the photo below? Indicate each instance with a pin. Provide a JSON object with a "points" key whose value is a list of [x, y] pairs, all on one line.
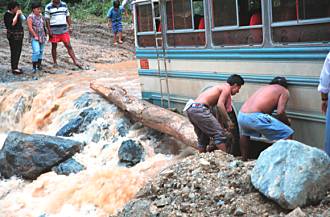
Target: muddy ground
{"points": [[92, 43]]}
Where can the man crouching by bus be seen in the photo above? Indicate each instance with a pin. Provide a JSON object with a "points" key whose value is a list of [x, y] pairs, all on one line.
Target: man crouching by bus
{"points": [[199, 114], [255, 117]]}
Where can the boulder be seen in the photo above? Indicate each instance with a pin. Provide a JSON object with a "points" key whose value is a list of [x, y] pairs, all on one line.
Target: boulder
{"points": [[292, 174], [122, 127], [68, 166], [84, 100], [28, 156], [71, 127], [130, 153], [79, 124], [89, 115]]}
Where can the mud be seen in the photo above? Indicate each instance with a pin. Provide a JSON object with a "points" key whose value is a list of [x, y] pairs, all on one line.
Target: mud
{"points": [[92, 43]]}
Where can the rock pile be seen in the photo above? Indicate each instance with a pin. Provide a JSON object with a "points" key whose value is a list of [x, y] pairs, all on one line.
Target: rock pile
{"points": [[211, 184]]}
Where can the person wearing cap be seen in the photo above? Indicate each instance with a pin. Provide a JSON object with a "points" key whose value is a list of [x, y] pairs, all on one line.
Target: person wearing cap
{"points": [[206, 125], [38, 37], [323, 88], [255, 117]]}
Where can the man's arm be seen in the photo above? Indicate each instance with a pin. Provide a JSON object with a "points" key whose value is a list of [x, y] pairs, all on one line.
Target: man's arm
{"points": [[281, 106], [69, 22], [47, 19], [225, 93]]}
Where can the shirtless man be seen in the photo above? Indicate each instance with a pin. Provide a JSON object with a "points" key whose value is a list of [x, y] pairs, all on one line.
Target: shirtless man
{"points": [[255, 117], [199, 114]]}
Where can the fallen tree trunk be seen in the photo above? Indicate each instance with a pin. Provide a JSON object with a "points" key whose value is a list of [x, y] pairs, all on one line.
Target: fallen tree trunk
{"points": [[150, 115]]}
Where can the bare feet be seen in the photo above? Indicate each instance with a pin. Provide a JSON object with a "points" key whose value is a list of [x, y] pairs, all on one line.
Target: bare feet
{"points": [[120, 41]]}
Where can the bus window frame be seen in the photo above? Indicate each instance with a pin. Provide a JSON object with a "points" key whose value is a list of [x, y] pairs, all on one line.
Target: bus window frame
{"points": [[236, 27], [136, 25], [290, 23], [192, 30]]}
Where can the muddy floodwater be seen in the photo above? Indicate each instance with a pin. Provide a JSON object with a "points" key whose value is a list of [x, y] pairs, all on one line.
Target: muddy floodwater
{"points": [[43, 107]]}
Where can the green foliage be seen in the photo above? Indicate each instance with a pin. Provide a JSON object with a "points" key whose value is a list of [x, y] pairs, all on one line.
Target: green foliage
{"points": [[91, 9], [84, 10]]}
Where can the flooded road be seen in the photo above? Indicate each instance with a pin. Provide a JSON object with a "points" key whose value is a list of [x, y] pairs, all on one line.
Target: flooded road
{"points": [[43, 107]]}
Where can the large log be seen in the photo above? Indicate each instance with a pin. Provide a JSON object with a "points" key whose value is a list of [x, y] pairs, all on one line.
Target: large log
{"points": [[150, 115]]}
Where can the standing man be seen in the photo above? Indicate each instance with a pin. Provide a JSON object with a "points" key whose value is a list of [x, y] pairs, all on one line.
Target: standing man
{"points": [[205, 124], [255, 117], [59, 25], [324, 88]]}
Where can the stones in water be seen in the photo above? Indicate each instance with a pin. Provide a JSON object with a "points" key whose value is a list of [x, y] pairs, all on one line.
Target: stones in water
{"points": [[67, 167], [131, 153], [28, 156], [79, 124], [122, 127], [70, 128], [292, 174], [84, 100]]}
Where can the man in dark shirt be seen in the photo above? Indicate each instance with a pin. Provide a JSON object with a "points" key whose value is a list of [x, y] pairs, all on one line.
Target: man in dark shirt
{"points": [[15, 34]]}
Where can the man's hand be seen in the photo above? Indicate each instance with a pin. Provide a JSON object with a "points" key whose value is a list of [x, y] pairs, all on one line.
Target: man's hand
{"points": [[50, 33], [70, 29], [230, 125], [19, 12], [36, 37], [324, 106]]}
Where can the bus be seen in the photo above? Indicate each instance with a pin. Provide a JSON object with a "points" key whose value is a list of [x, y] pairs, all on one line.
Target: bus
{"points": [[184, 46]]}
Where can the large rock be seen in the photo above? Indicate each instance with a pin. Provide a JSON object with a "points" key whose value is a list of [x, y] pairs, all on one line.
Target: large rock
{"points": [[130, 153], [67, 167], [71, 127], [28, 156], [292, 174], [80, 123]]}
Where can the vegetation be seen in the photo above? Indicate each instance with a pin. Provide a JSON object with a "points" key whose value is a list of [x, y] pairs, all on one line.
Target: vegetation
{"points": [[84, 10]]}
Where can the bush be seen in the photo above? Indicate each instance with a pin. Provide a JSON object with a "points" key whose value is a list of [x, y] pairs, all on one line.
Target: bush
{"points": [[80, 9]]}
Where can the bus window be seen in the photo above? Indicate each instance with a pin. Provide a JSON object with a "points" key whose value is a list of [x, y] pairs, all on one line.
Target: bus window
{"points": [[296, 21], [144, 18], [185, 23], [145, 28], [236, 22]]}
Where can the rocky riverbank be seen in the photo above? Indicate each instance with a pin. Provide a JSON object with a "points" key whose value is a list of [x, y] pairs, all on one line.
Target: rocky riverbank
{"points": [[211, 184]]}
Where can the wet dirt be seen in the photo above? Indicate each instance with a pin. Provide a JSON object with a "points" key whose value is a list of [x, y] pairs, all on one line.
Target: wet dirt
{"points": [[92, 44]]}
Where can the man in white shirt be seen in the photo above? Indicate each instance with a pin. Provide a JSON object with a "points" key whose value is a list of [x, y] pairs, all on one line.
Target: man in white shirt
{"points": [[323, 88], [58, 23]]}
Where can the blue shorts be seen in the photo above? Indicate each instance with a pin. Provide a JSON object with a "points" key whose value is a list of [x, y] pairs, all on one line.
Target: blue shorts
{"points": [[117, 27], [257, 124]]}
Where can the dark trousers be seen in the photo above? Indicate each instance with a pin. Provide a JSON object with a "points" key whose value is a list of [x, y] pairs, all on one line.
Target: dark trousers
{"points": [[206, 126], [15, 42]]}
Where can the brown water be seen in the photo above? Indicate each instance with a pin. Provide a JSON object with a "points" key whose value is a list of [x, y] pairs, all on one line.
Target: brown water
{"points": [[43, 107]]}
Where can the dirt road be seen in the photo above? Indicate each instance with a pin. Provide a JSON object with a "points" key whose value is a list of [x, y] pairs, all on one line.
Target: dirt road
{"points": [[92, 44]]}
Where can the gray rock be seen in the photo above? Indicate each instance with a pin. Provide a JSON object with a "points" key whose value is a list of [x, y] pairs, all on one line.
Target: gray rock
{"points": [[130, 153], [89, 115], [239, 212], [28, 156], [67, 167], [83, 101], [136, 208], [80, 123], [122, 127], [71, 127], [297, 212], [292, 174]]}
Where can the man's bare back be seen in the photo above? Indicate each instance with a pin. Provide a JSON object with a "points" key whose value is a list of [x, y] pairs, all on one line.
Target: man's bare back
{"points": [[212, 96], [266, 99]]}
